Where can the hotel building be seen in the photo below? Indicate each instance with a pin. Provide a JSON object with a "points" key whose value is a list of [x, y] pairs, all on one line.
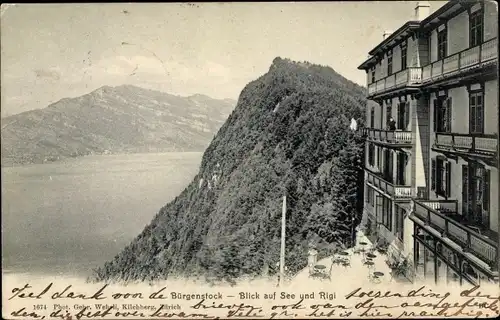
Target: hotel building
{"points": [[431, 174]]}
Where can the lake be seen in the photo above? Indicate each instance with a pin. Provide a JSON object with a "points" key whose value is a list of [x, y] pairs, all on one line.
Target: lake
{"points": [[69, 217]]}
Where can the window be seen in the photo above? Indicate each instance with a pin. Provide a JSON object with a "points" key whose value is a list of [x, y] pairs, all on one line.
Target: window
{"points": [[388, 111], [476, 28], [401, 161], [442, 43], [371, 154], [400, 216], [388, 166], [370, 196], [429, 265], [372, 117], [420, 261], [476, 194], [403, 56], [403, 115], [387, 213], [379, 158], [476, 112], [442, 114], [389, 62], [441, 177], [373, 74]]}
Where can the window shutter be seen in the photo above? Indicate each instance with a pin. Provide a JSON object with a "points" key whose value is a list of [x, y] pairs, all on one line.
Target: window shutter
{"points": [[486, 191], [407, 115], [465, 189], [449, 114], [443, 116], [472, 111], [448, 179], [439, 176], [434, 122], [433, 174]]}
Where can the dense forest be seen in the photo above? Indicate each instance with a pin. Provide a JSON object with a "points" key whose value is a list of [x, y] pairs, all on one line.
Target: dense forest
{"points": [[288, 135]]}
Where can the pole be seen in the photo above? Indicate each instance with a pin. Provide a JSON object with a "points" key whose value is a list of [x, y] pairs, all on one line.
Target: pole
{"points": [[283, 233]]}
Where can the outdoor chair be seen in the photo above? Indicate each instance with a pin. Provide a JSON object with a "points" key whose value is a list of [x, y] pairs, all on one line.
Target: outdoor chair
{"points": [[398, 271], [322, 273], [357, 251]]}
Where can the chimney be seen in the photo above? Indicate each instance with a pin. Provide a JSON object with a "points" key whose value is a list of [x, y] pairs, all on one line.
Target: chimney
{"points": [[422, 10], [387, 33]]}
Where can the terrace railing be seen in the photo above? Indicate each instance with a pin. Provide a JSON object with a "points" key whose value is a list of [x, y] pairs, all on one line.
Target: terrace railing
{"points": [[461, 61], [439, 215]]}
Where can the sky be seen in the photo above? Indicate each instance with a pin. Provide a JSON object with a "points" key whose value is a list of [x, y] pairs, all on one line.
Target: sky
{"points": [[54, 51]]}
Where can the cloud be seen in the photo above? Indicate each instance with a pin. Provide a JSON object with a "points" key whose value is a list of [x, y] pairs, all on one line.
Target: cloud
{"points": [[150, 69], [52, 73]]}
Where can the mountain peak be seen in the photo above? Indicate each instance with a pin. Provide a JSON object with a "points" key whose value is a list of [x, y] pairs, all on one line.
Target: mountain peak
{"points": [[199, 96], [289, 134]]}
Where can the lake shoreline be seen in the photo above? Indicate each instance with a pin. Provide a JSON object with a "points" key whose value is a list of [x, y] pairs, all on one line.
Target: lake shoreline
{"points": [[66, 159]]}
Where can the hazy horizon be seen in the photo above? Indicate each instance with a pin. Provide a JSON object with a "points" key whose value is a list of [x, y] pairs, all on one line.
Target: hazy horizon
{"points": [[134, 85], [182, 49]]}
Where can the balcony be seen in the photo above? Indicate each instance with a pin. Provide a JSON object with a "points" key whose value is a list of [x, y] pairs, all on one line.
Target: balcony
{"points": [[461, 62], [389, 138], [395, 191], [407, 77], [481, 145], [442, 215]]}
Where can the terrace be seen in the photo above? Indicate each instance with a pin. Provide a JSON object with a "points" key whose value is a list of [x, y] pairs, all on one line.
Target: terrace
{"points": [[389, 138], [378, 181], [461, 62], [470, 144], [411, 76], [443, 216]]}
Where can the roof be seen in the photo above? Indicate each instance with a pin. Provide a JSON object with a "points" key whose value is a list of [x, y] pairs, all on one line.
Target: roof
{"points": [[447, 9], [401, 32], [444, 10]]}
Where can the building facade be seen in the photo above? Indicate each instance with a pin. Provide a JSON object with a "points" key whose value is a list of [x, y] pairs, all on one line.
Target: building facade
{"points": [[431, 170]]}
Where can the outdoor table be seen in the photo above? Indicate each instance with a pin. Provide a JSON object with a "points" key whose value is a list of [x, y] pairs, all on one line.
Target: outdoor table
{"points": [[345, 256], [363, 244], [371, 255], [319, 271], [376, 277]]}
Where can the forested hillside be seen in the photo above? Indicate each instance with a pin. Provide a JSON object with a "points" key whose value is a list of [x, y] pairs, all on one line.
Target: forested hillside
{"points": [[289, 134]]}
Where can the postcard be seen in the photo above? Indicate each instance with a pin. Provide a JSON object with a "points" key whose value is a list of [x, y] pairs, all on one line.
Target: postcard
{"points": [[250, 160]]}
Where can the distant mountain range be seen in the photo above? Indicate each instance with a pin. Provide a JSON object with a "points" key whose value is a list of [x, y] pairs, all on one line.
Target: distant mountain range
{"points": [[119, 119]]}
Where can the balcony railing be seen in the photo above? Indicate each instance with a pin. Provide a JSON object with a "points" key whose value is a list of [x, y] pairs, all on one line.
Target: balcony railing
{"points": [[388, 136], [442, 216], [461, 61], [408, 76], [467, 142], [397, 191]]}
